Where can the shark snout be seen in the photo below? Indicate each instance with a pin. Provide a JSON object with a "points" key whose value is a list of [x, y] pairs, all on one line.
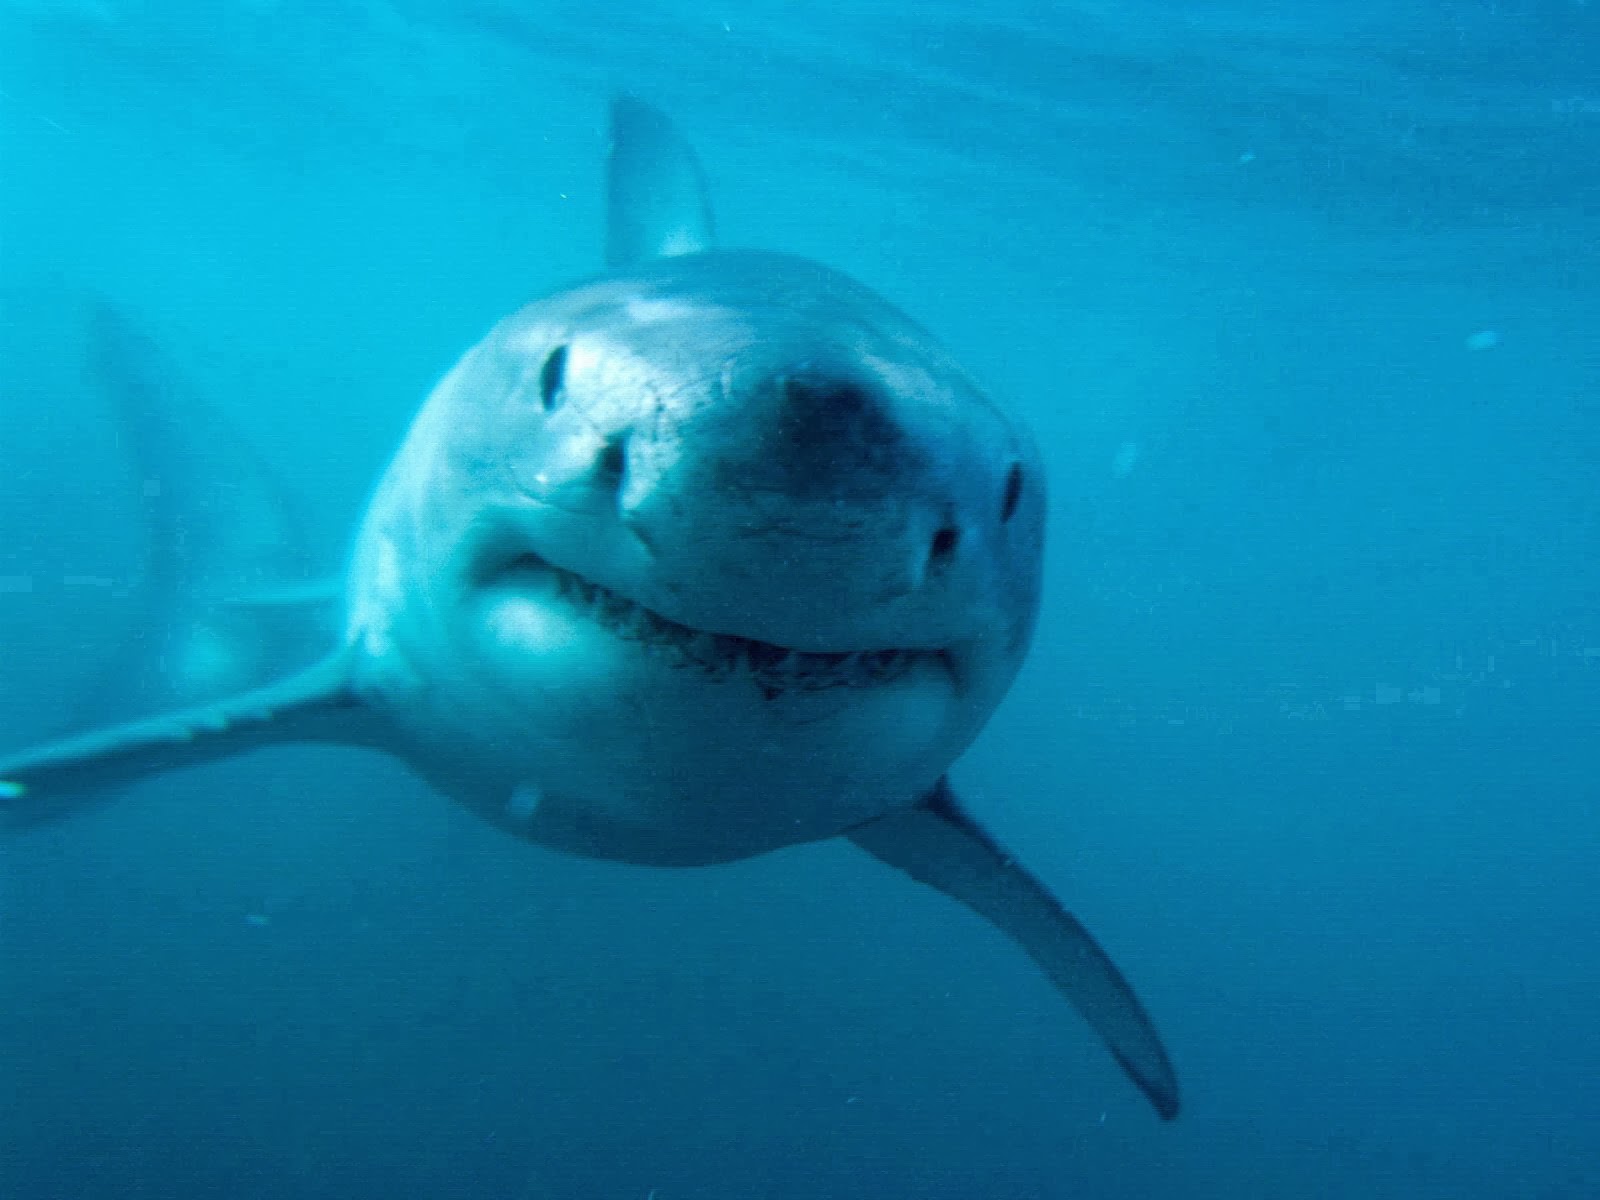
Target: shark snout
{"points": [[833, 433], [789, 476], [807, 501]]}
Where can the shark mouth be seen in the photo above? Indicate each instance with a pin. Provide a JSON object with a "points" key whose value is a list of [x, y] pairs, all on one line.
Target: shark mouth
{"points": [[775, 669]]}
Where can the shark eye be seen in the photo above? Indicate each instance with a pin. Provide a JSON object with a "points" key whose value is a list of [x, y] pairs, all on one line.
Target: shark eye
{"points": [[553, 378], [944, 545], [1013, 494]]}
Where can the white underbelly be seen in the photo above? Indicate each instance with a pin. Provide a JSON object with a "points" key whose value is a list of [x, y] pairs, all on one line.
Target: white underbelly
{"points": [[600, 745]]}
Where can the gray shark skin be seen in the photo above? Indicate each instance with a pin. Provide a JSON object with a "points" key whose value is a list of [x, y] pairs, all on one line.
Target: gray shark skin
{"points": [[710, 555], [226, 599]]}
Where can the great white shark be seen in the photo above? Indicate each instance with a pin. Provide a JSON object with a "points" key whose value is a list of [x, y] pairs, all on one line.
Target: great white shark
{"points": [[713, 554]]}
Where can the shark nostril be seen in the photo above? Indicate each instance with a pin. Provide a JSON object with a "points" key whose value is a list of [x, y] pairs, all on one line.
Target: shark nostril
{"points": [[612, 461], [1013, 493]]}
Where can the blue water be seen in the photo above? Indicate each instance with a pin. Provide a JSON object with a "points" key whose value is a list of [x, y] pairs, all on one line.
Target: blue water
{"points": [[1302, 302]]}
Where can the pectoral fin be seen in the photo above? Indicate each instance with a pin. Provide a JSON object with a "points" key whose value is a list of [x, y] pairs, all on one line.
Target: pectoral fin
{"points": [[940, 845], [318, 705]]}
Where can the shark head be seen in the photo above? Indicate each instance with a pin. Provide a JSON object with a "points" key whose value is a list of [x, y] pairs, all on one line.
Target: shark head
{"points": [[753, 447], [736, 486]]}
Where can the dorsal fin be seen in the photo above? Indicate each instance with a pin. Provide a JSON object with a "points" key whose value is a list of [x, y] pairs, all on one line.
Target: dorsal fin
{"points": [[657, 202]]}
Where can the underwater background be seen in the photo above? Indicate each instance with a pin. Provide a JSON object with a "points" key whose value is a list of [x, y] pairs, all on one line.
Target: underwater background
{"points": [[1302, 302]]}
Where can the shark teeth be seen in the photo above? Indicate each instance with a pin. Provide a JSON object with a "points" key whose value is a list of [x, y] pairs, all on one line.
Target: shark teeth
{"points": [[775, 668]]}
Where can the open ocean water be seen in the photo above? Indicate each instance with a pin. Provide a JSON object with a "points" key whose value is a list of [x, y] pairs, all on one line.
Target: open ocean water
{"points": [[1304, 304]]}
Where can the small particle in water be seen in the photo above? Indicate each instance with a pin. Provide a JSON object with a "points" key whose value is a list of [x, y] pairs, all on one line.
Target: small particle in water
{"points": [[257, 920], [1248, 157], [1484, 339]]}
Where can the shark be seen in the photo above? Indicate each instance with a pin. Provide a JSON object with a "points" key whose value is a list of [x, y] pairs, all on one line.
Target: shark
{"points": [[714, 553]]}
